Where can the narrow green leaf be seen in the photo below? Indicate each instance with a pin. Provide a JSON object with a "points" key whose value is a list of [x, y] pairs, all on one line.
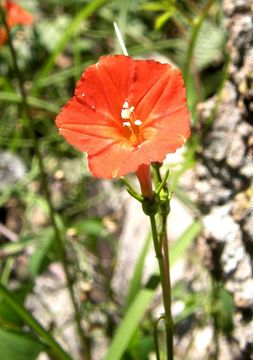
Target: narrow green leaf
{"points": [[7, 267], [14, 248], [131, 321], [19, 345], [61, 75], [7, 315], [185, 240], [158, 6], [225, 309], [54, 348], [162, 19], [32, 101]]}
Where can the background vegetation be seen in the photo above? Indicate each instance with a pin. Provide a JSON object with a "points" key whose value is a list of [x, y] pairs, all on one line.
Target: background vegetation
{"points": [[53, 211]]}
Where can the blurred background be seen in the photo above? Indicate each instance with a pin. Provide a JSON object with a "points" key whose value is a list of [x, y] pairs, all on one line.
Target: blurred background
{"points": [[57, 222]]}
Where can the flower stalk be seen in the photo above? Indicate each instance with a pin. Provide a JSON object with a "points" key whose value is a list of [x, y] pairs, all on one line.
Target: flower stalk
{"points": [[161, 250], [157, 206]]}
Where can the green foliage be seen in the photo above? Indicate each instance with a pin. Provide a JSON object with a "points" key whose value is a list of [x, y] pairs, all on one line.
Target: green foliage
{"points": [[168, 9], [130, 322], [209, 51], [184, 241], [222, 309], [65, 38], [144, 296], [7, 316], [21, 344], [39, 259], [136, 279]]}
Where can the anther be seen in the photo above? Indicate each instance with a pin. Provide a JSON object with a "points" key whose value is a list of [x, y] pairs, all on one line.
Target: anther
{"points": [[137, 122], [126, 123], [125, 113], [125, 105]]}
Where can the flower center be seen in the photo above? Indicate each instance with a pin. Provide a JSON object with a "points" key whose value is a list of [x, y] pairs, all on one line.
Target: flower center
{"points": [[132, 126]]}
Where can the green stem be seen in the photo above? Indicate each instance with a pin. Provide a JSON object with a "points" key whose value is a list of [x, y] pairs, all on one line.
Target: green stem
{"points": [[165, 282], [195, 31], [44, 183], [155, 335], [34, 324], [166, 264]]}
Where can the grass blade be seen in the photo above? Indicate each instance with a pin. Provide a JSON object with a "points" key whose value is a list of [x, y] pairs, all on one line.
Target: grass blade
{"points": [[135, 283], [131, 321], [11, 97]]}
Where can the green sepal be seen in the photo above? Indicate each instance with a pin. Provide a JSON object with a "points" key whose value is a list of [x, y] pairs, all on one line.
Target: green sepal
{"points": [[150, 206]]}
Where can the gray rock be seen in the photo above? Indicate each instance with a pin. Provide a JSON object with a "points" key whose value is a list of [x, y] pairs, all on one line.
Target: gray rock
{"points": [[12, 169]]}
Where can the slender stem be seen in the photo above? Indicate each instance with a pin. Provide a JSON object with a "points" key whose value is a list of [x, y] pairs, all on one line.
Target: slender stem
{"points": [[155, 335], [44, 183], [34, 324], [165, 282], [166, 263]]}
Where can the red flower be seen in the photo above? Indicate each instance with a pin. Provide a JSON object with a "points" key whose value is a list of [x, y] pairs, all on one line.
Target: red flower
{"points": [[126, 113], [3, 36], [15, 15]]}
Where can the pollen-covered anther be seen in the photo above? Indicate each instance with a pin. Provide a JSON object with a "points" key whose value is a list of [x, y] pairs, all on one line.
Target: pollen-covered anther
{"points": [[126, 123], [137, 122], [125, 113]]}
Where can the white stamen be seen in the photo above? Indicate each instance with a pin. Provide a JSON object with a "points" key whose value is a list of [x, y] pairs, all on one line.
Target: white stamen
{"points": [[137, 122], [125, 113], [126, 123], [131, 109], [125, 105]]}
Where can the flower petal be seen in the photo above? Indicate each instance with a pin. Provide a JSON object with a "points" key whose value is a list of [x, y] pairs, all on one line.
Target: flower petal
{"points": [[115, 161], [16, 15], [166, 135], [86, 128], [157, 88], [106, 84]]}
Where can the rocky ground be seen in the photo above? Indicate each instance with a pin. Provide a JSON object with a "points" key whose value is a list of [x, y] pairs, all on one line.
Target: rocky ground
{"points": [[225, 172]]}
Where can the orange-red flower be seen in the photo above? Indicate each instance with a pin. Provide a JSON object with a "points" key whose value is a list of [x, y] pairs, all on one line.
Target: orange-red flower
{"points": [[126, 113], [15, 15]]}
